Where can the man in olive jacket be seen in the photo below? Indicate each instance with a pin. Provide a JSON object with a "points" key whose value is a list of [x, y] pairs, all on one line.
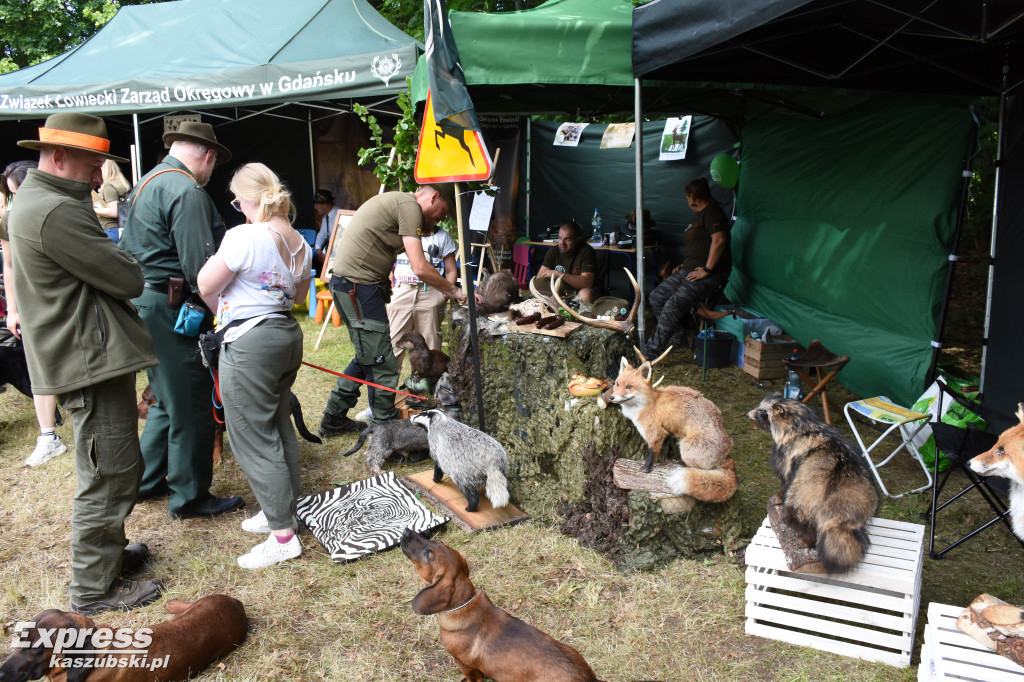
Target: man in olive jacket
{"points": [[85, 343]]}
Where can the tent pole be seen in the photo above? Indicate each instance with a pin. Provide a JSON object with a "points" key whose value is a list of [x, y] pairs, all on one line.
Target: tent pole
{"points": [[639, 163], [947, 292], [529, 151], [1000, 135], [137, 169], [467, 286], [312, 158]]}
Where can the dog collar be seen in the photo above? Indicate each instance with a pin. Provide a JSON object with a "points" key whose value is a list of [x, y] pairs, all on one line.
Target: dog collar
{"points": [[458, 607]]}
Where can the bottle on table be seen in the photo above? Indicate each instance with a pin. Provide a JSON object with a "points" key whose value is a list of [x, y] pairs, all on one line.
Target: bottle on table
{"points": [[595, 222]]}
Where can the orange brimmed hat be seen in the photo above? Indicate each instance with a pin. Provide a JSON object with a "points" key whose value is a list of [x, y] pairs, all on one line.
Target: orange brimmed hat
{"points": [[74, 131]]}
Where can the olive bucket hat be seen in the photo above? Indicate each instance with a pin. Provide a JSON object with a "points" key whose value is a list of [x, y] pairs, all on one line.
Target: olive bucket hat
{"points": [[201, 133]]}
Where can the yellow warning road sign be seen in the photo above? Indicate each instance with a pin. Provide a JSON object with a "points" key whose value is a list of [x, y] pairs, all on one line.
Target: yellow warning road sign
{"points": [[449, 156]]}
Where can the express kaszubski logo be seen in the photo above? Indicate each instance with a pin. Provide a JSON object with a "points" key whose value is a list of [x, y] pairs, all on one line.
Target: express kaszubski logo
{"points": [[90, 647]]}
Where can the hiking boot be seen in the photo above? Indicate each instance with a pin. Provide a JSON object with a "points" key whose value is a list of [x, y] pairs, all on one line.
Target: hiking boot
{"points": [[46, 449], [335, 425], [136, 556], [207, 507], [271, 552], [161, 489], [123, 595]]}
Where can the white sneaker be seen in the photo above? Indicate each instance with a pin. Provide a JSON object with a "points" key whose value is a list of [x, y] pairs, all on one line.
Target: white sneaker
{"points": [[256, 524], [259, 523], [364, 416], [270, 552], [46, 449]]}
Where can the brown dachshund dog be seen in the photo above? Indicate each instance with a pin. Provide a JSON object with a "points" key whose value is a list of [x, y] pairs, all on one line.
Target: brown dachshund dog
{"points": [[484, 639], [197, 634]]}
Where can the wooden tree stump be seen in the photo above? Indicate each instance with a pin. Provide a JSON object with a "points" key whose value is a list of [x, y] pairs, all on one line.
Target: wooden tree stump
{"points": [[629, 474], [799, 559]]}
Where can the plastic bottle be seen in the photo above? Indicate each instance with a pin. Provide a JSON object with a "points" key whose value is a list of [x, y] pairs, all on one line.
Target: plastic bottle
{"points": [[792, 389], [595, 222]]}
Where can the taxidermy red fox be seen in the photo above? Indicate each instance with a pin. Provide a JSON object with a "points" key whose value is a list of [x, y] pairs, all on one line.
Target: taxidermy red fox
{"points": [[696, 423], [1006, 458]]}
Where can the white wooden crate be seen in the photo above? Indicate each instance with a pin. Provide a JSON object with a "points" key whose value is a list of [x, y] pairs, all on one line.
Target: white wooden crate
{"points": [[868, 613], [949, 654]]}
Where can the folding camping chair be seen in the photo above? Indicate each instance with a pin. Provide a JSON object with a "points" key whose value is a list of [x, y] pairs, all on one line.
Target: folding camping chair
{"points": [[902, 422], [960, 445]]}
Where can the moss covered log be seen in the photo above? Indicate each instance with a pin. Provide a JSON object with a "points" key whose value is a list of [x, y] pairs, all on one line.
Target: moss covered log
{"points": [[547, 432]]}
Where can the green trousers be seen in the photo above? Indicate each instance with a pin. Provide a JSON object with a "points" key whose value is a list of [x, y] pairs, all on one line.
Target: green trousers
{"points": [[177, 441], [257, 371], [108, 465], [374, 358]]}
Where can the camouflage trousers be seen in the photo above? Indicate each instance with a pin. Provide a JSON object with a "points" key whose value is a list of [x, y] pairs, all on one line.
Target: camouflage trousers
{"points": [[672, 301]]}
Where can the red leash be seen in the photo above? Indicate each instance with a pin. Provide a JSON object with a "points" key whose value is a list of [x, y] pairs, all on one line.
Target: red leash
{"points": [[362, 381]]}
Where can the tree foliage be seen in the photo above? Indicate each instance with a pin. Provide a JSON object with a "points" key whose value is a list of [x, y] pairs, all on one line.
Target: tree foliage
{"points": [[32, 31], [408, 14]]}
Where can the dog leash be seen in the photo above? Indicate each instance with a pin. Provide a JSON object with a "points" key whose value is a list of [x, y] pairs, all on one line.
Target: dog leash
{"points": [[363, 381]]}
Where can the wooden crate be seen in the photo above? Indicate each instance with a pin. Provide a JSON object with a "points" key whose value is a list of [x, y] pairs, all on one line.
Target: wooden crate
{"points": [[948, 654], [764, 360], [868, 613]]}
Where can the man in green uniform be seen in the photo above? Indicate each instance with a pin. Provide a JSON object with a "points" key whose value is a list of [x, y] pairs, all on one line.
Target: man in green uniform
{"points": [[382, 228], [575, 259], [85, 343], [172, 229]]}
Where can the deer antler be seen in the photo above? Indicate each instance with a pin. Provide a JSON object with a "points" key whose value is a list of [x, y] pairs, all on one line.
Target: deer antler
{"points": [[625, 326], [548, 301], [654, 362]]}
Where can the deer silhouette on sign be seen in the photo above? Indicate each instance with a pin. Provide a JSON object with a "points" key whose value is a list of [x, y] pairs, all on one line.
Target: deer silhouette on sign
{"points": [[445, 129]]}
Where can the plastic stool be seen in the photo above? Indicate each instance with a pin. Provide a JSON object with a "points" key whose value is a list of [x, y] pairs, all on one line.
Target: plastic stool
{"points": [[323, 298]]}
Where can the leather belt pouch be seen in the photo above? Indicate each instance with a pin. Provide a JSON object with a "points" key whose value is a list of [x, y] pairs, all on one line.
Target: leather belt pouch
{"points": [[175, 291]]}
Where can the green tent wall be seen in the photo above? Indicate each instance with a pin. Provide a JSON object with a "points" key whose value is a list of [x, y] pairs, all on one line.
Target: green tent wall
{"points": [[844, 232]]}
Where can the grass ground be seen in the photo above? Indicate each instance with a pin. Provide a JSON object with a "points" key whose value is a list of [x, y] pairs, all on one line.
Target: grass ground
{"points": [[312, 619]]}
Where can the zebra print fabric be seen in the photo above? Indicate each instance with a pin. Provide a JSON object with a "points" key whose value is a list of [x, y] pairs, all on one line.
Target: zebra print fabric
{"points": [[365, 517]]}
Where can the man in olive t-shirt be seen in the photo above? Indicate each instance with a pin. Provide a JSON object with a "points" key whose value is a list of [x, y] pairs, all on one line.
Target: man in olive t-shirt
{"points": [[575, 259], [383, 227]]}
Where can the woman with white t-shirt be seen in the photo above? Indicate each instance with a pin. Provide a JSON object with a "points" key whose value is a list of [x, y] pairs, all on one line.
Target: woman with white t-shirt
{"points": [[252, 282]]}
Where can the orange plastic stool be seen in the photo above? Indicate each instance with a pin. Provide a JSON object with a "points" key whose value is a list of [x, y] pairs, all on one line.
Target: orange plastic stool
{"points": [[323, 298]]}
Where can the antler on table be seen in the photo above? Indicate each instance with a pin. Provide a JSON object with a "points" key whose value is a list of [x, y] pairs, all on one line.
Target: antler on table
{"points": [[625, 326], [548, 301]]}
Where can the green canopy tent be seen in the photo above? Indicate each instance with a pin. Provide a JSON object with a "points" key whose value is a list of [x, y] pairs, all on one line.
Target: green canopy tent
{"points": [[564, 56], [302, 61], [856, 133]]}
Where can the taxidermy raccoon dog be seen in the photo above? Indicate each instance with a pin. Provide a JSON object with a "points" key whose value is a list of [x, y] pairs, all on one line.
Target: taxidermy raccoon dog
{"points": [[469, 457], [388, 438], [827, 492], [498, 291]]}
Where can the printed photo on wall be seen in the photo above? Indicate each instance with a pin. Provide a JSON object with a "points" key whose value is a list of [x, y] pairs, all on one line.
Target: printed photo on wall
{"points": [[617, 135], [568, 134], [675, 138]]}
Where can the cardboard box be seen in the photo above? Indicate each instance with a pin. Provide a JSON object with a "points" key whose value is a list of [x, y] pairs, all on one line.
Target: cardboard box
{"points": [[764, 360]]}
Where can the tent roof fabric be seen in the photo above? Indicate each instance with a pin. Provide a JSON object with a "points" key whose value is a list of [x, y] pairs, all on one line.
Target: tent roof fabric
{"points": [[521, 61], [198, 54], [944, 47]]}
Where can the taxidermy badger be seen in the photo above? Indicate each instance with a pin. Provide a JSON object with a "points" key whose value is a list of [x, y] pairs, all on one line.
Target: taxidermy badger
{"points": [[498, 291], [393, 436], [827, 493], [469, 457]]}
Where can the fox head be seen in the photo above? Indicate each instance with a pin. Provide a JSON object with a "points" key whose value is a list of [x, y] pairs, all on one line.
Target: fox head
{"points": [[1006, 458], [631, 383]]}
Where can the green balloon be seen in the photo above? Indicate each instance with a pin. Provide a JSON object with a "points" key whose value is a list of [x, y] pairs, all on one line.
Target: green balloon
{"points": [[725, 171]]}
